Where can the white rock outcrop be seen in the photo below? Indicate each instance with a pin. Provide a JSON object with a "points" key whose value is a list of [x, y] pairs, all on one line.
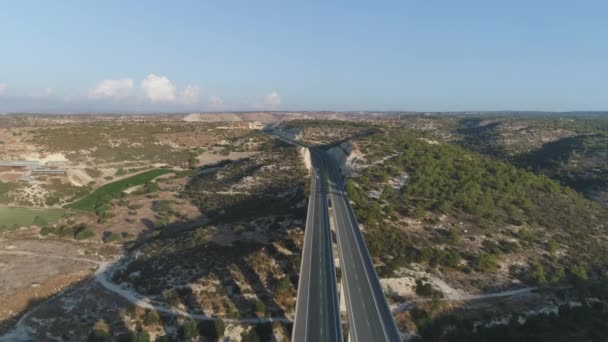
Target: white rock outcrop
{"points": [[348, 157], [305, 154]]}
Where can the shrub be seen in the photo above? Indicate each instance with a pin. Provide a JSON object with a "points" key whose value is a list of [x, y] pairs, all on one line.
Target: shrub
{"points": [[250, 336], [140, 336], [172, 297], [578, 275], [259, 307], [47, 230], [189, 329], [487, 262], [112, 237], [98, 335], [151, 318], [213, 329], [453, 236], [40, 221], [83, 232], [283, 286], [426, 290], [538, 274], [558, 276], [151, 187], [264, 331]]}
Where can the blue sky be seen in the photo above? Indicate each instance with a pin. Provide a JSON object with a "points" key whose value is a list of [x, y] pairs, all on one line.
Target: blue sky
{"points": [[138, 56]]}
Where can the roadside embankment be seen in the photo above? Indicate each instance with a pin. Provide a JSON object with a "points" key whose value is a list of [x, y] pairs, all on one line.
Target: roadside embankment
{"points": [[305, 154], [347, 156]]}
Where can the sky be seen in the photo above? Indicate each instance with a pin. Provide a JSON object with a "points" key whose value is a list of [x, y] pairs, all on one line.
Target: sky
{"points": [[199, 56]]}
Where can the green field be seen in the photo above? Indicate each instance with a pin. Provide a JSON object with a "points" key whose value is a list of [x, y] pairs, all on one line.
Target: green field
{"points": [[114, 189], [10, 216]]}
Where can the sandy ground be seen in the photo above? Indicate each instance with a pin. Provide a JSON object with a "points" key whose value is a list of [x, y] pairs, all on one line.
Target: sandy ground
{"points": [[208, 158], [13, 147], [33, 270], [137, 221], [92, 299], [188, 139], [42, 158], [11, 176]]}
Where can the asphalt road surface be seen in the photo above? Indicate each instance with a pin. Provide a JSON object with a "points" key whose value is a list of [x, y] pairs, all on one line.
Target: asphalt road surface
{"points": [[369, 316], [317, 312]]}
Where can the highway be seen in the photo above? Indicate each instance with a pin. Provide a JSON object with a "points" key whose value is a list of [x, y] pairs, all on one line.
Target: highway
{"points": [[369, 315], [317, 315]]}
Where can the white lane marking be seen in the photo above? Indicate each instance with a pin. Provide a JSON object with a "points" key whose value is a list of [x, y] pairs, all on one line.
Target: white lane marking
{"points": [[354, 226], [312, 234], [344, 267], [328, 246], [307, 246]]}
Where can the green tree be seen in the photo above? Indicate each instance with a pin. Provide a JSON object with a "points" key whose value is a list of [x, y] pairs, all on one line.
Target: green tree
{"points": [[151, 318], [558, 276], [189, 329], [259, 307], [538, 274], [213, 329], [140, 336], [579, 275], [487, 262]]}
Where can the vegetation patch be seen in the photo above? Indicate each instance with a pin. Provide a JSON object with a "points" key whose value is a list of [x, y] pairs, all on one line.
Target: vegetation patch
{"points": [[10, 216], [114, 189]]}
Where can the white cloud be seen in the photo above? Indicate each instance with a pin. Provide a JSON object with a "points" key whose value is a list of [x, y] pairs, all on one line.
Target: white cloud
{"points": [[215, 101], [272, 99], [112, 88], [158, 88], [190, 94], [48, 91], [3, 88]]}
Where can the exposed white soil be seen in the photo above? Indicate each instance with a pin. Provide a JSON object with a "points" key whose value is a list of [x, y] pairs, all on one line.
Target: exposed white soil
{"points": [[54, 157], [305, 155], [348, 157], [79, 177], [103, 274]]}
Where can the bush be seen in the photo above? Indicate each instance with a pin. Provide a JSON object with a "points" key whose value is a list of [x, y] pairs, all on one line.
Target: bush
{"points": [[264, 331], [151, 187], [140, 336], [189, 329], [112, 237], [259, 307], [213, 329], [151, 318], [487, 262], [98, 335], [250, 336], [83, 232], [453, 236], [578, 275], [538, 274], [47, 230], [40, 221], [426, 290], [283, 286]]}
